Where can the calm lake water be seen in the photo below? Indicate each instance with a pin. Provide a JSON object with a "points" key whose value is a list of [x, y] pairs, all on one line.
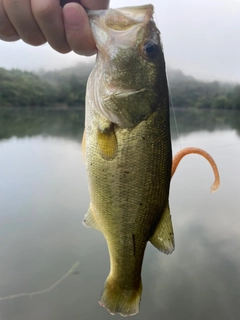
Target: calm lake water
{"points": [[44, 196]]}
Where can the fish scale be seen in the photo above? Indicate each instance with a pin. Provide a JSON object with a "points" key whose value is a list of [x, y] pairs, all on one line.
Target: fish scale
{"points": [[130, 204]]}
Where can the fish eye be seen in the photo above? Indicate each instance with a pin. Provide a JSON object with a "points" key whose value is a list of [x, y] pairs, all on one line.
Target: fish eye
{"points": [[150, 49]]}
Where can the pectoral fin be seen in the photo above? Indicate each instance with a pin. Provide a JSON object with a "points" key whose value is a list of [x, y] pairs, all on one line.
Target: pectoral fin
{"points": [[106, 140], [89, 220], [163, 237]]}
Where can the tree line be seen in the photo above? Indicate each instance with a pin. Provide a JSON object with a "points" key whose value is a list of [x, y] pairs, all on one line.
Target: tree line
{"points": [[186, 91], [48, 89], [67, 88]]}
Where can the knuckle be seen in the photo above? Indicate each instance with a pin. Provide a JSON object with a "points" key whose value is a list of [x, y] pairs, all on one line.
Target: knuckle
{"points": [[43, 12], [83, 45], [34, 39], [85, 50], [86, 53], [8, 33], [11, 3], [59, 44], [11, 6], [62, 49], [12, 38]]}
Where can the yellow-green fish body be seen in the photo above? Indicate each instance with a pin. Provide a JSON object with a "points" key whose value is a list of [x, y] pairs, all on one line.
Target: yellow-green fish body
{"points": [[128, 148]]}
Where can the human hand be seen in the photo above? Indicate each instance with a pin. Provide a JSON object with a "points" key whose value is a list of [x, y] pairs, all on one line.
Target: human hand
{"points": [[63, 24]]}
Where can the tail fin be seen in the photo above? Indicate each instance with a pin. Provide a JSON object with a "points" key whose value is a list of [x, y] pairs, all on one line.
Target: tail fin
{"points": [[123, 301]]}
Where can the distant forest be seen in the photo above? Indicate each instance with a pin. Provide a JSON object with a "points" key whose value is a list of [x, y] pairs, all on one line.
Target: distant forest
{"points": [[66, 88]]}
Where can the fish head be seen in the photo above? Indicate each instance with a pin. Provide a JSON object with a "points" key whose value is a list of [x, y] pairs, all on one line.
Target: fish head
{"points": [[129, 79]]}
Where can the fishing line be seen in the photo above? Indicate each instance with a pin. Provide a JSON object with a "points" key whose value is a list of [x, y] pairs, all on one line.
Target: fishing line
{"points": [[53, 286], [171, 105], [174, 113]]}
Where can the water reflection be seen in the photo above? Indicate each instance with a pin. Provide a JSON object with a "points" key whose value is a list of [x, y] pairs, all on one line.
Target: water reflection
{"points": [[202, 278], [22, 122], [43, 198], [191, 120], [29, 122]]}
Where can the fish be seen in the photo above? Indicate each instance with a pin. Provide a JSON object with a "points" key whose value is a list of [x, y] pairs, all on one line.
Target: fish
{"points": [[127, 148]]}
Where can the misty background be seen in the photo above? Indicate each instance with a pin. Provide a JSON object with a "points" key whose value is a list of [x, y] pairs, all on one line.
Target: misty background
{"points": [[43, 183], [199, 37]]}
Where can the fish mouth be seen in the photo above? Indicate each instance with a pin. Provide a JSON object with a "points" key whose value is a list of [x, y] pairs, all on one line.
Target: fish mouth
{"points": [[118, 25], [122, 18], [125, 18]]}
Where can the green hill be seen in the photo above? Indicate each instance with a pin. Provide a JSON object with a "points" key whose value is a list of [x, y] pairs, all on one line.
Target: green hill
{"points": [[67, 87]]}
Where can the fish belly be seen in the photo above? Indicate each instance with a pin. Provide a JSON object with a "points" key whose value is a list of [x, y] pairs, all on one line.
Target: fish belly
{"points": [[128, 195]]}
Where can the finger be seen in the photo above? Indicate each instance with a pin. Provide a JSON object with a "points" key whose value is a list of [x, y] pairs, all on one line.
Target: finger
{"points": [[7, 31], [48, 14], [20, 15], [95, 5], [78, 33]]}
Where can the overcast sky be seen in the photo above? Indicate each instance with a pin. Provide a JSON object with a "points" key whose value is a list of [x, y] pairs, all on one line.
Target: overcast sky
{"points": [[200, 37]]}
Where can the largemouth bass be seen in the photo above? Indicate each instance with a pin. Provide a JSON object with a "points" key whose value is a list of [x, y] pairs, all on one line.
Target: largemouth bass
{"points": [[127, 148]]}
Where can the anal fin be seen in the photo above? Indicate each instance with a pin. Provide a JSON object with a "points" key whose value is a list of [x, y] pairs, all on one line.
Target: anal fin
{"points": [[163, 237], [89, 220]]}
